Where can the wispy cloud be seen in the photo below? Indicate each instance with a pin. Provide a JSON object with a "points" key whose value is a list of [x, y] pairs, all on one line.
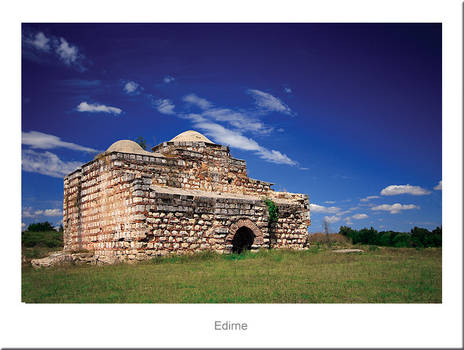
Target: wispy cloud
{"points": [[197, 101], [393, 190], [315, 208], [395, 208], [165, 106], [438, 187], [235, 139], [38, 46], [168, 79], [30, 213], [226, 136], [241, 120], [208, 120], [40, 140], [268, 102], [47, 163], [97, 108], [360, 216], [332, 219], [80, 83], [132, 88], [39, 41], [330, 202], [348, 220], [68, 53], [288, 90], [368, 198], [238, 120]]}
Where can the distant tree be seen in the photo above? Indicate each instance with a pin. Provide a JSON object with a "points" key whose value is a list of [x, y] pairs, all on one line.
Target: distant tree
{"points": [[345, 230], [142, 142], [40, 227], [436, 237]]}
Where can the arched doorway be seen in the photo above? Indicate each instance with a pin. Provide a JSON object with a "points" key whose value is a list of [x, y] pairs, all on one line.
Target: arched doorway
{"points": [[243, 240]]}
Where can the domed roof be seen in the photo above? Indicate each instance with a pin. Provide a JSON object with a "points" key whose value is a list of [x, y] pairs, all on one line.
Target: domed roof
{"points": [[191, 136], [128, 146]]}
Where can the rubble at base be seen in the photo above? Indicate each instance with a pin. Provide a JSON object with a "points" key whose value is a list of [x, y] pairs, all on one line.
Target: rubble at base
{"points": [[70, 258]]}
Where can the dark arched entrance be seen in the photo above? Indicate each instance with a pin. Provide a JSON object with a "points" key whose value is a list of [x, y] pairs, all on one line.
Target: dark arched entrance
{"points": [[243, 240]]}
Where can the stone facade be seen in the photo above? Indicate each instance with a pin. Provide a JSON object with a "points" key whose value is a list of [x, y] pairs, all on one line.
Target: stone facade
{"points": [[185, 196]]}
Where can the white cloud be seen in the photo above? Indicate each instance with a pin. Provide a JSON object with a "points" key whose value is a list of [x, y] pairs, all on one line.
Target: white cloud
{"points": [[53, 212], [39, 48], [274, 156], [332, 219], [97, 108], [165, 106], [288, 90], [238, 120], [395, 208], [348, 221], [206, 121], [360, 216], [40, 42], [198, 101], [393, 190], [68, 53], [132, 88], [438, 187], [315, 208], [30, 213], [329, 202], [227, 137], [47, 163], [241, 120], [235, 139], [27, 213], [368, 198], [269, 102], [168, 79], [23, 226], [39, 140]]}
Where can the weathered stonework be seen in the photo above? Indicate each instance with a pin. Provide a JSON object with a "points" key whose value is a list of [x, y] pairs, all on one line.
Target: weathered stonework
{"points": [[186, 196]]}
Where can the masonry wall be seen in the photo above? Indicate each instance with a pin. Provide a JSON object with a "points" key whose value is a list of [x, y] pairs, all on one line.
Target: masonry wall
{"points": [[132, 207]]}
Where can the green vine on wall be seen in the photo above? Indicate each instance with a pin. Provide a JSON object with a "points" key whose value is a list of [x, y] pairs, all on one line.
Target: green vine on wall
{"points": [[273, 211]]}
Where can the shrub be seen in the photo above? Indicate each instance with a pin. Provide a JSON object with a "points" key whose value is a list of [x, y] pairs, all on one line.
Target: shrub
{"points": [[402, 240], [49, 239], [385, 238], [273, 211]]}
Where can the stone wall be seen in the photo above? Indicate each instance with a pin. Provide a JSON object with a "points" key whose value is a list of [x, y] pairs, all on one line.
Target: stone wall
{"points": [[195, 197]]}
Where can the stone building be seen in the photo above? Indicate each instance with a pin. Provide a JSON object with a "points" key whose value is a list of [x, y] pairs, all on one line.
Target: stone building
{"points": [[188, 195]]}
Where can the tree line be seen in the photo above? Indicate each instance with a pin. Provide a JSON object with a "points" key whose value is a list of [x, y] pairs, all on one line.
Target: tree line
{"points": [[418, 237]]}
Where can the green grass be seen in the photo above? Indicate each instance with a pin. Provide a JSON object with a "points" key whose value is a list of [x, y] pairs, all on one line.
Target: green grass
{"points": [[384, 275]]}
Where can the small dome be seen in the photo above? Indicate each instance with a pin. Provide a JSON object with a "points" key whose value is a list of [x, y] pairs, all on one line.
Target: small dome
{"points": [[128, 146], [191, 136]]}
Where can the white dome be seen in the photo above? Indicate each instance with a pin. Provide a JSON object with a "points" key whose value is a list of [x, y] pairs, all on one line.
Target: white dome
{"points": [[191, 136], [128, 146]]}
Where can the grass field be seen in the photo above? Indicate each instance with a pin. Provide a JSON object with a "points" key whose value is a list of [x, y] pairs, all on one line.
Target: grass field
{"points": [[318, 275]]}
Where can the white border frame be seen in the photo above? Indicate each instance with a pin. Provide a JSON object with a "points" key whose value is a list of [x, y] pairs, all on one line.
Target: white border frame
{"points": [[159, 325]]}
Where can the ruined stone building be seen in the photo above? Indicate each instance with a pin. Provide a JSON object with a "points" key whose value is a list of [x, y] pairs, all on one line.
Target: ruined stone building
{"points": [[188, 195]]}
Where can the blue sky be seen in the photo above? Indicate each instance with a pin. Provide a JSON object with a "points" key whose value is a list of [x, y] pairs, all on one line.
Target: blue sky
{"points": [[347, 113]]}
